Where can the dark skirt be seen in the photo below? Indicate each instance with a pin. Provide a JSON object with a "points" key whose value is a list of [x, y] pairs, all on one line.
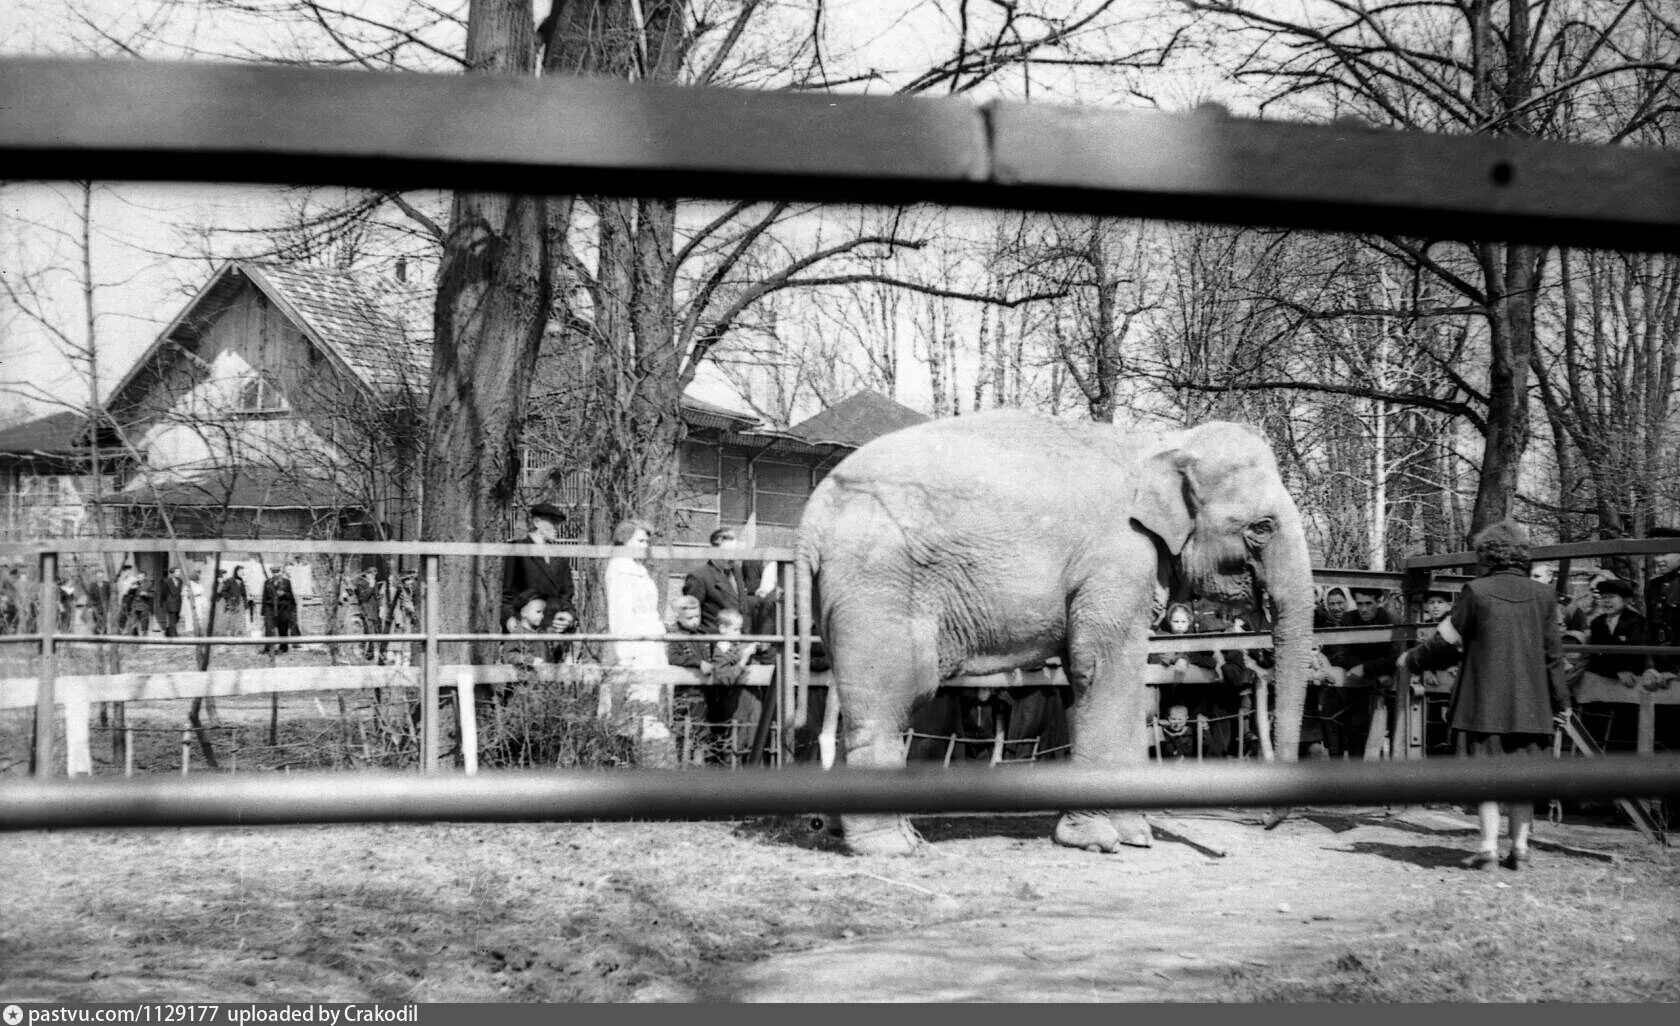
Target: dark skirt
{"points": [[1478, 745]]}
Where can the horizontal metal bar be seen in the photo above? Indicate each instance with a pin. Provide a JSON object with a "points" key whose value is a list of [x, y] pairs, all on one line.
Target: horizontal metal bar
{"points": [[1567, 550], [658, 553], [1379, 580], [248, 123], [194, 641], [694, 794]]}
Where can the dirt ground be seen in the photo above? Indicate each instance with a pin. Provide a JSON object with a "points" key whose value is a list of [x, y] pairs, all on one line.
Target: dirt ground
{"points": [[1344, 903], [1337, 904]]}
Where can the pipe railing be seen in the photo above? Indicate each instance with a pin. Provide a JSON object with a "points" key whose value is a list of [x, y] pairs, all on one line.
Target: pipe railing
{"points": [[530, 796]]}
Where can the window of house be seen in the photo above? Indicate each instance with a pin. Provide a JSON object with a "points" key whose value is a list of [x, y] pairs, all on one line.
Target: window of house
{"points": [[535, 464], [695, 507], [259, 393], [782, 490]]}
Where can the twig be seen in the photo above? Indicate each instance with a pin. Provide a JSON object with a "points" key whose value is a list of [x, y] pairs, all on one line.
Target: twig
{"points": [[897, 883]]}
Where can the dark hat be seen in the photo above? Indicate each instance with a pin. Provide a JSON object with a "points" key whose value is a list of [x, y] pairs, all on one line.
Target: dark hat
{"points": [[548, 511], [1437, 593], [1614, 586]]}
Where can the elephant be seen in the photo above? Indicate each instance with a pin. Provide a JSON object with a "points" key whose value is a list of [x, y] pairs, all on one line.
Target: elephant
{"points": [[996, 541]]}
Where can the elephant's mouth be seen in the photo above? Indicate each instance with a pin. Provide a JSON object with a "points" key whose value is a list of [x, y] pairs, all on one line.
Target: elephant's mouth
{"points": [[1224, 573]]}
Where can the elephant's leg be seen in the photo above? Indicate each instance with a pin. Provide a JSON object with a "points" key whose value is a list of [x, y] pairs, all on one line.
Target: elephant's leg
{"points": [[879, 682], [1109, 727]]}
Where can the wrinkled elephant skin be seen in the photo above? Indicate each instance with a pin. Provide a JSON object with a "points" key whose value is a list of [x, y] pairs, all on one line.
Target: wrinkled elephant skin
{"points": [[993, 542]]}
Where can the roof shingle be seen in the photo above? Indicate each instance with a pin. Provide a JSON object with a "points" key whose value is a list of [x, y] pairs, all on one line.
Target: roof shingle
{"points": [[856, 420], [347, 316]]}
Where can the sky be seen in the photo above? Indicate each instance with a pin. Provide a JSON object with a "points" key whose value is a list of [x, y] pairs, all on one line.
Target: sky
{"points": [[140, 282]]}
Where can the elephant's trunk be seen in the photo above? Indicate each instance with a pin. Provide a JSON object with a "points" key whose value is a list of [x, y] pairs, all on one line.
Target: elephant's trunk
{"points": [[1287, 574]]}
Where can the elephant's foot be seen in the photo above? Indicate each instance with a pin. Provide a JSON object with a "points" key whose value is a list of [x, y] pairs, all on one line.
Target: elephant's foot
{"points": [[881, 835], [1101, 831]]}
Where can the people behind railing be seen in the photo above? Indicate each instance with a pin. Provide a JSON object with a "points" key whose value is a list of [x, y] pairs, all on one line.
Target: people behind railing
{"points": [[548, 576], [279, 609], [1174, 736], [723, 582], [1347, 710], [530, 642], [137, 605]]}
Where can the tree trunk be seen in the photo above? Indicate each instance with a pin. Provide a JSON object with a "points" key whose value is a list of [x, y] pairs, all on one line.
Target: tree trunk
{"points": [[492, 305], [1510, 315]]}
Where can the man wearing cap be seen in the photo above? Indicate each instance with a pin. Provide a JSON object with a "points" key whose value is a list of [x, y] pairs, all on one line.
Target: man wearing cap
{"points": [[1616, 624], [548, 577], [720, 585]]}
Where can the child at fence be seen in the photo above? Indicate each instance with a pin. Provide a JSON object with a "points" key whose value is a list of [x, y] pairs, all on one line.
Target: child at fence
{"points": [[1437, 606], [527, 645], [1180, 619], [1177, 738], [688, 701], [734, 701], [730, 658]]}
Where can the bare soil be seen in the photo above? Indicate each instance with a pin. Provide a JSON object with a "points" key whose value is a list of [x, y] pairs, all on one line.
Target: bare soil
{"points": [[1344, 903], [1337, 904]]}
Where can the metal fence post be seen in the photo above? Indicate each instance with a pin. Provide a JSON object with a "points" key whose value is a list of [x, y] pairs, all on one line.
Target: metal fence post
{"points": [[429, 690], [47, 623], [792, 708]]}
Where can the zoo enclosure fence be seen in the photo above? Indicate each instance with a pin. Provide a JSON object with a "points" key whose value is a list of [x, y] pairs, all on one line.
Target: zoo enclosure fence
{"points": [[72, 119], [431, 676]]}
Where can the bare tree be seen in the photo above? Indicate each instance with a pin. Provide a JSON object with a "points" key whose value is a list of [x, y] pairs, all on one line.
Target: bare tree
{"points": [[1525, 68], [493, 298]]}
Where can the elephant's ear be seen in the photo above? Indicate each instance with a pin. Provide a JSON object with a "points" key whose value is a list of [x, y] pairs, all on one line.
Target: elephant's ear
{"points": [[1165, 502]]}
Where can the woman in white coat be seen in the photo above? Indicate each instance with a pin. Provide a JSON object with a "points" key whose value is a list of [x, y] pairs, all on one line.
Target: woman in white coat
{"points": [[633, 601], [633, 608]]}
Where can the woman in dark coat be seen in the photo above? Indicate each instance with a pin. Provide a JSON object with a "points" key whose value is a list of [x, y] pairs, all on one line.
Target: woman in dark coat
{"points": [[1511, 688]]}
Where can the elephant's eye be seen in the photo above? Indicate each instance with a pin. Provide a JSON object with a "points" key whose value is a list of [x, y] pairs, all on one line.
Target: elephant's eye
{"points": [[1260, 532]]}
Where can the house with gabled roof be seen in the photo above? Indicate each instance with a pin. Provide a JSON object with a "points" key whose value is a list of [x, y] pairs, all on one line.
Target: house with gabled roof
{"points": [[285, 401], [46, 481]]}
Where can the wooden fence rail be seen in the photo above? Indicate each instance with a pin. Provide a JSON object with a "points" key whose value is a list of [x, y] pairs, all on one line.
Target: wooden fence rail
{"points": [[156, 120]]}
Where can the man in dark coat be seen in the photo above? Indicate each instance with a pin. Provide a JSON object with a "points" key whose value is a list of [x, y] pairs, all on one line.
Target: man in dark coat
{"points": [[279, 609], [720, 585], [547, 576], [367, 593], [137, 606], [1662, 608], [169, 603], [99, 600], [1616, 624]]}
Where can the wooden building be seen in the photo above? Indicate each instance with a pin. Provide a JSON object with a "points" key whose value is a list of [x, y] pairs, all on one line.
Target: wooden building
{"points": [[287, 401]]}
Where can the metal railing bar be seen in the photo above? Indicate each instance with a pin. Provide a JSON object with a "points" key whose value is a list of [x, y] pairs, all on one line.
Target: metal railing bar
{"points": [[1566, 550], [533, 796], [656, 553]]}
